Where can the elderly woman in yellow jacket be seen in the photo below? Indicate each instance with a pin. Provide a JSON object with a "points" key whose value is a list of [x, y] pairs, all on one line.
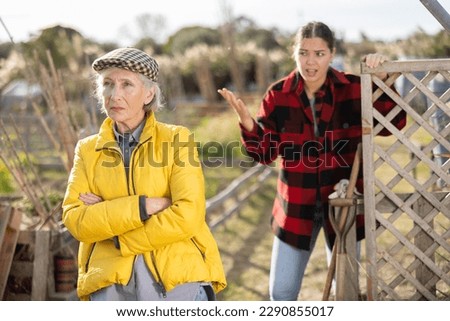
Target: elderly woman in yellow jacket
{"points": [[135, 196]]}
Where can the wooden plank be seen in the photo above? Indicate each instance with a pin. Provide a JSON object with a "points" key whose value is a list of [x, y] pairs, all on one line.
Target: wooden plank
{"points": [[419, 188], [420, 255], [352, 265], [40, 267], [5, 213], [408, 133], [407, 276], [249, 191], [369, 191], [416, 263], [10, 233], [409, 66], [424, 124], [231, 189], [423, 241], [417, 219], [387, 205], [26, 237], [21, 269], [432, 282]]}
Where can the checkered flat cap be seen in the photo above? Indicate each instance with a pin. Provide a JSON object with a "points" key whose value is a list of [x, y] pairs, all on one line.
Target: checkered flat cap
{"points": [[131, 59]]}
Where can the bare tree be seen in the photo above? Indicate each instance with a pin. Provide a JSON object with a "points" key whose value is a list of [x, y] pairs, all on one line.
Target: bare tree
{"points": [[147, 26], [151, 26], [228, 41]]}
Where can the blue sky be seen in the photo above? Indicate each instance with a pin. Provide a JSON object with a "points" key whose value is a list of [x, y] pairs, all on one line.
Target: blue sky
{"points": [[104, 20]]}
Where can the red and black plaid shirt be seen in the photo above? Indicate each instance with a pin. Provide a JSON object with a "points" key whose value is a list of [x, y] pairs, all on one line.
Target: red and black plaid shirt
{"points": [[310, 165]]}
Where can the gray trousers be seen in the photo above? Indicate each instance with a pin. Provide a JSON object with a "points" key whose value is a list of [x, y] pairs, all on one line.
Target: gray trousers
{"points": [[143, 287]]}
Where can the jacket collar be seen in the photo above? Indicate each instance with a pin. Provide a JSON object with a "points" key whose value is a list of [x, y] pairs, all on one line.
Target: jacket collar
{"points": [[107, 140], [294, 83]]}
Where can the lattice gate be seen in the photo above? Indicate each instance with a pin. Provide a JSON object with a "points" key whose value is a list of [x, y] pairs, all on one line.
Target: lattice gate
{"points": [[407, 215]]}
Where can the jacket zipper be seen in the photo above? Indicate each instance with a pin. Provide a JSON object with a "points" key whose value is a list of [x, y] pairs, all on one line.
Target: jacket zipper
{"points": [[131, 176], [152, 255], [198, 248], [159, 279], [86, 267]]}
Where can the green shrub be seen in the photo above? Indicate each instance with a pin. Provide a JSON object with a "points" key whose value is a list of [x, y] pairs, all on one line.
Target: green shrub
{"points": [[6, 184]]}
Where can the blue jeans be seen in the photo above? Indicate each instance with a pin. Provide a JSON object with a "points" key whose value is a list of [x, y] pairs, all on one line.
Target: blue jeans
{"points": [[288, 267], [440, 120]]}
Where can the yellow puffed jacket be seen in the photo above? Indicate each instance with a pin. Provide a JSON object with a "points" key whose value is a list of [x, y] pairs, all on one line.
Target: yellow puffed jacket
{"points": [[177, 244]]}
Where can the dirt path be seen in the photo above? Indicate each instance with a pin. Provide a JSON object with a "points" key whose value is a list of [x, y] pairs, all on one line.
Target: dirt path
{"points": [[245, 242]]}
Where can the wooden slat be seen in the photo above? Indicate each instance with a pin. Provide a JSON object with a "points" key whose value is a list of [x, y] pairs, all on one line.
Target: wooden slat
{"points": [[231, 189], [416, 263], [40, 266], [351, 286], [417, 219], [429, 94], [388, 290], [414, 115], [419, 187], [10, 219], [368, 170], [432, 282], [408, 276], [423, 241], [408, 66], [249, 191], [5, 214], [425, 259], [21, 269], [408, 133], [422, 207]]}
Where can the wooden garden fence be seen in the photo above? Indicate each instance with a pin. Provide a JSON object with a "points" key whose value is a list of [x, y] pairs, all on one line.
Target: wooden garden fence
{"points": [[407, 217], [230, 200]]}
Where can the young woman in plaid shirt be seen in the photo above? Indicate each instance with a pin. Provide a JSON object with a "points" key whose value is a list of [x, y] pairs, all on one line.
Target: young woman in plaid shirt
{"points": [[311, 119]]}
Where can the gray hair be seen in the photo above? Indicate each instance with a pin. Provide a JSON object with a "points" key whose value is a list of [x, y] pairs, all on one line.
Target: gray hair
{"points": [[156, 103]]}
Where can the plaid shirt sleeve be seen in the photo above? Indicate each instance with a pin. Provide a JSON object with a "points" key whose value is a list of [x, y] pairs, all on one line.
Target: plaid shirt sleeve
{"points": [[262, 142]]}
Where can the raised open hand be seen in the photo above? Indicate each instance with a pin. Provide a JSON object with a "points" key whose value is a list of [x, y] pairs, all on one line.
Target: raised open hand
{"points": [[239, 107]]}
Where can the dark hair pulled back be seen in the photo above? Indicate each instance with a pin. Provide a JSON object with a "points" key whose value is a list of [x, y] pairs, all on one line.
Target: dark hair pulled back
{"points": [[316, 29]]}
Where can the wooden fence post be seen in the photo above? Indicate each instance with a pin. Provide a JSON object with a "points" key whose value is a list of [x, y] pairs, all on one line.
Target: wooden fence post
{"points": [[423, 241], [40, 266]]}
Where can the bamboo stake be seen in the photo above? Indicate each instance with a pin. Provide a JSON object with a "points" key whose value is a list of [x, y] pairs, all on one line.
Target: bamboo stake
{"points": [[39, 184], [44, 124], [11, 159], [55, 97], [16, 168], [49, 134], [60, 109]]}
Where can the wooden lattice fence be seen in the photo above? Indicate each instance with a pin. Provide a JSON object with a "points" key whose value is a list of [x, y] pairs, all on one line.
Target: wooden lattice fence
{"points": [[406, 188]]}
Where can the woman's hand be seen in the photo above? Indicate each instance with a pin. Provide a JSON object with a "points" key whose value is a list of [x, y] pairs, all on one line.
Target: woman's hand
{"points": [[239, 107], [90, 198], [374, 60], [156, 204]]}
